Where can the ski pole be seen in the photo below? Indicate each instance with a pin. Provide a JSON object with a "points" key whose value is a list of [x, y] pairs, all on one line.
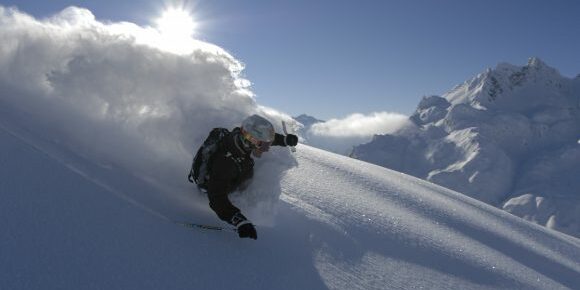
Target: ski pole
{"points": [[205, 227]]}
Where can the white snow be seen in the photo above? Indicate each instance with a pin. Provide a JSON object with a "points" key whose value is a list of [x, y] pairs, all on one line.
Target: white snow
{"points": [[338, 224], [97, 131]]}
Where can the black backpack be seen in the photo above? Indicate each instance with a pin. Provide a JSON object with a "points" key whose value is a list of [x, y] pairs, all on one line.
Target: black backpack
{"points": [[201, 166]]}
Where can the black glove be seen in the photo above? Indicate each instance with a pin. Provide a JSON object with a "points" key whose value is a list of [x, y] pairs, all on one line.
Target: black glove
{"points": [[247, 230], [291, 140], [245, 227]]}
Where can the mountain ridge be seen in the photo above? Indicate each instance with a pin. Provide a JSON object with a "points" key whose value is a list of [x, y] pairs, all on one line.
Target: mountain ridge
{"points": [[486, 135]]}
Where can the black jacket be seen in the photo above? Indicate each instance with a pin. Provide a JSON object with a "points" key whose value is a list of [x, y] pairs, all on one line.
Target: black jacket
{"points": [[231, 166]]}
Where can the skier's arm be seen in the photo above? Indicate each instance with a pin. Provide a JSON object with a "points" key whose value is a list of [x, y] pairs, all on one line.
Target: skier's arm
{"points": [[285, 140], [223, 207], [219, 186]]}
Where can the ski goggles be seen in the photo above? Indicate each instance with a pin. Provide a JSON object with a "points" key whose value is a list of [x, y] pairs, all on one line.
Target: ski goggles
{"points": [[258, 144]]}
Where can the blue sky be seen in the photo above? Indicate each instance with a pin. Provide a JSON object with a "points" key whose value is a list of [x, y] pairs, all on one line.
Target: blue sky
{"points": [[333, 58]]}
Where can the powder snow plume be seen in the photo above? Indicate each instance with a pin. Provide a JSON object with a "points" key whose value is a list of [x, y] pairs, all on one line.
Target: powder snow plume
{"points": [[116, 92]]}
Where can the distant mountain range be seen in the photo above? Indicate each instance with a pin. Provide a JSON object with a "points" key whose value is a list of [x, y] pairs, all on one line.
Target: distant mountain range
{"points": [[509, 137], [307, 121]]}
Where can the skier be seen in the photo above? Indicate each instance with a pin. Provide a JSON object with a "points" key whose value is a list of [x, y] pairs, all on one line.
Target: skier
{"points": [[232, 167]]}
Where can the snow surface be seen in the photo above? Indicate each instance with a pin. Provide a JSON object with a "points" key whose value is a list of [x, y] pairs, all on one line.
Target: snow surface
{"points": [[338, 224], [97, 127], [507, 137]]}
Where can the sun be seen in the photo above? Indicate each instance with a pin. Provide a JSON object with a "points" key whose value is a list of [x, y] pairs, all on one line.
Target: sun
{"points": [[176, 24], [175, 29]]}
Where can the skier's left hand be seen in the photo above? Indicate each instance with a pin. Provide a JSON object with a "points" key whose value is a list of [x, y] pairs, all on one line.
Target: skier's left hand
{"points": [[291, 140], [247, 230]]}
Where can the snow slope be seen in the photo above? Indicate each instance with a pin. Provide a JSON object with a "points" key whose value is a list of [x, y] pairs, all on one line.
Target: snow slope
{"points": [[97, 127], [339, 224], [508, 137]]}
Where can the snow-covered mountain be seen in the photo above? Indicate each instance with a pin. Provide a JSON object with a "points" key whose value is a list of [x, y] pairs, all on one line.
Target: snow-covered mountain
{"points": [[508, 137], [307, 121], [98, 122], [302, 124]]}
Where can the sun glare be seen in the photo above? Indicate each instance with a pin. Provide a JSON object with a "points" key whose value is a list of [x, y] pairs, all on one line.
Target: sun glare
{"points": [[176, 27], [176, 23]]}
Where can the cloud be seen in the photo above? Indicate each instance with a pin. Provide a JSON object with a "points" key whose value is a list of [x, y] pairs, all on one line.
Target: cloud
{"points": [[359, 125], [340, 135]]}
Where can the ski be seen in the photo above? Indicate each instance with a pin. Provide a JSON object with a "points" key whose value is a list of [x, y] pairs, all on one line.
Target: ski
{"points": [[205, 227]]}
